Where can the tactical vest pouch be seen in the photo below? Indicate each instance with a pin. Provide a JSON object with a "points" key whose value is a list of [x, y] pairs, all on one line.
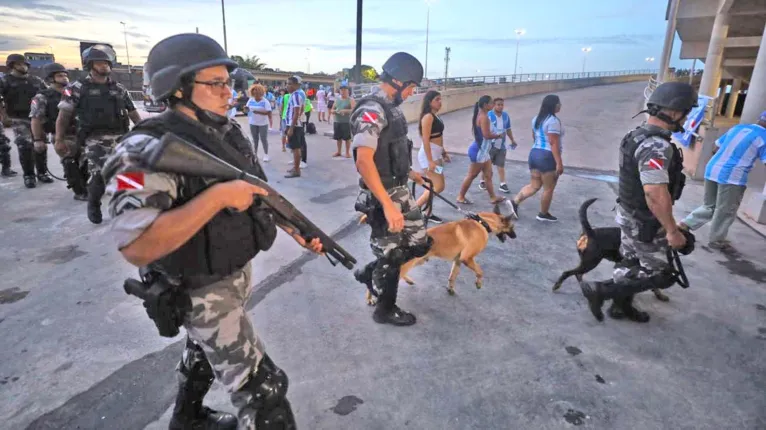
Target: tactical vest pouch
{"points": [[265, 227], [647, 230], [365, 202]]}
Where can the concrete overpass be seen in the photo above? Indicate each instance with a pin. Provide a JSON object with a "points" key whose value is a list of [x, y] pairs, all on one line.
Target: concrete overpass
{"points": [[729, 37]]}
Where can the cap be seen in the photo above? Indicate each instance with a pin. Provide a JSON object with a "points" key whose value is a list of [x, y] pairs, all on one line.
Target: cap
{"points": [[295, 78]]}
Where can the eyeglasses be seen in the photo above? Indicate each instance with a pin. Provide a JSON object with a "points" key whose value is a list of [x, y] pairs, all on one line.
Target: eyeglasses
{"points": [[216, 85]]}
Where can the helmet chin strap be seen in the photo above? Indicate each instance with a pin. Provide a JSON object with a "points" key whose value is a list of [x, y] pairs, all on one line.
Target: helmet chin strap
{"points": [[656, 112], [398, 96]]}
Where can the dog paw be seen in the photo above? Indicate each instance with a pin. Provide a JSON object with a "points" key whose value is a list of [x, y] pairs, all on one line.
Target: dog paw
{"points": [[661, 296], [479, 285], [371, 301], [451, 291], [556, 287]]}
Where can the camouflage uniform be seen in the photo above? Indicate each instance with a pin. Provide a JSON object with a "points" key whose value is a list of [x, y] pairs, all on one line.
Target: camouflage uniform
{"points": [[368, 122], [218, 322], [22, 130], [653, 156]]}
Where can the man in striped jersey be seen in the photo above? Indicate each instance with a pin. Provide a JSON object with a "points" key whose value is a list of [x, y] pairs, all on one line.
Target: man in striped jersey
{"points": [[726, 180]]}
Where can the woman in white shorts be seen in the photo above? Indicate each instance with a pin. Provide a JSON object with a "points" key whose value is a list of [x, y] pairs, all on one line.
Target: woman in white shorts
{"points": [[322, 105], [432, 155]]}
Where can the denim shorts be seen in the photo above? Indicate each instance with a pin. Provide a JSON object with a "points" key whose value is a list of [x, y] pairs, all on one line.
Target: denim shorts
{"points": [[541, 160]]}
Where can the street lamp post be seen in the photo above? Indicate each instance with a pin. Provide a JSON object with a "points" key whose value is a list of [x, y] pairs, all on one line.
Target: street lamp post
{"points": [[358, 68], [223, 13], [519, 32], [127, 53], [428, 24], [52, 55], [585, 56]]}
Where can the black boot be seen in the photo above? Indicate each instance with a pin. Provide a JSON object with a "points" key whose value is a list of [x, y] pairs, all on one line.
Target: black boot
{"points": [[74, 178], [41, 165], [5, 160], [195, 376], [27, 161], [96, 190], [364, 276], [262, 400], [623, 308], [386, 278]]}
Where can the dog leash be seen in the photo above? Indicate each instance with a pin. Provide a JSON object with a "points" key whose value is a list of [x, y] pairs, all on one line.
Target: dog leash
{"points": [[674, 261], [468, 214]]}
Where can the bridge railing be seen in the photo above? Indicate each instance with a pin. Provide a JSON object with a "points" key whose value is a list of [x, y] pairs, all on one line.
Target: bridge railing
{"points": [[470, 81]]}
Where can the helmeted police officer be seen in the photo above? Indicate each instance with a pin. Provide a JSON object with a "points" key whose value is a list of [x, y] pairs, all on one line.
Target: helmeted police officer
{"points": [[44, 112], [100, 105], [383, 155], [17, 88], [177, 228], [651, 180]]}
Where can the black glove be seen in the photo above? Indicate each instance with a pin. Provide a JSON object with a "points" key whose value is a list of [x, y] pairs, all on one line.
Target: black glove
{"points": [[690, 240]]}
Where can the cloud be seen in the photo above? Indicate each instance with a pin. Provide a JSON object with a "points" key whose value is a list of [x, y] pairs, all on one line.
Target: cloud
{"points": [[391, 32], [37, 16], [616, 39], [137, 35], [40, 6], [69, 38], [367, 46], [15, 43]]}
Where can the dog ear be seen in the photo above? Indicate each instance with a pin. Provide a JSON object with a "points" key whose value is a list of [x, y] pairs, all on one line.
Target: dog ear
{"points": [[496, 209]]}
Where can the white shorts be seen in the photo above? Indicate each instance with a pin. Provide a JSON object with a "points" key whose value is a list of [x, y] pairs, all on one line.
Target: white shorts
{"points": [[436, 154], [322, 107]]}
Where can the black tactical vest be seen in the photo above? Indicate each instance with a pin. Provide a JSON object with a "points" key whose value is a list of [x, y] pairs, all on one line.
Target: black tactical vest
{"points": [[230, 239], [19, 93], [101, 108], [631, 191], [53, 98], [393, 155]]}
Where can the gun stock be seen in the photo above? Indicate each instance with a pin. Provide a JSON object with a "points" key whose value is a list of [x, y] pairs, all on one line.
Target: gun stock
{"points": [[135, 288], [175, 155]]}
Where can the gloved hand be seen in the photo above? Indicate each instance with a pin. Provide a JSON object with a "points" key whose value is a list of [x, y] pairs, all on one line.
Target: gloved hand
{"points": [[690, 240]]}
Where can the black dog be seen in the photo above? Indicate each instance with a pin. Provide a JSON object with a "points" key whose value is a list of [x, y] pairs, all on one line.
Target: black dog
{"points": [[595, 245]]}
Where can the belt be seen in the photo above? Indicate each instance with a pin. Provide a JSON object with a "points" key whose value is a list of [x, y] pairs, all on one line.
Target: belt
{"points": [[388, 183]]}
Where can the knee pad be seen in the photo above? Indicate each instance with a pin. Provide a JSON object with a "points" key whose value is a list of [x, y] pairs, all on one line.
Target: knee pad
{"points": [[262, 400]]}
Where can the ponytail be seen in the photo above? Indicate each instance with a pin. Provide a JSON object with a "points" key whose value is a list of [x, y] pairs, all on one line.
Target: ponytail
{"points": [[473, 122]]}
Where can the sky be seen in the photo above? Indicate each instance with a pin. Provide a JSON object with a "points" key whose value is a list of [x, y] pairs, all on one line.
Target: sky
{"points": [[319, 35]]}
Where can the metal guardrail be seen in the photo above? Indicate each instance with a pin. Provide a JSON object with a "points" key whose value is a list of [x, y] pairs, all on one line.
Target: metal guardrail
{"points": [[470, 81]]}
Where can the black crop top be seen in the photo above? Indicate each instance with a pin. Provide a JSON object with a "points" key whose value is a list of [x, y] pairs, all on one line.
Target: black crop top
{"points": [[437, 128]]}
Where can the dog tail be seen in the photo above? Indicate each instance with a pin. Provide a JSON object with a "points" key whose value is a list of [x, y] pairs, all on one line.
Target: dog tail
{"points": [[584, 217]]}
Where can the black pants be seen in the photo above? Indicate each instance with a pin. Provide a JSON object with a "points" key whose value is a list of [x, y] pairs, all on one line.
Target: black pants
{"points": [[298, 141]]}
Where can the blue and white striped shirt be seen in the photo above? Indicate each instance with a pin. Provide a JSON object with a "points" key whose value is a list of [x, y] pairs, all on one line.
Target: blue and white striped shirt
{"points": [[297, 101], [550, 125], [738, 150], [501, 126]]}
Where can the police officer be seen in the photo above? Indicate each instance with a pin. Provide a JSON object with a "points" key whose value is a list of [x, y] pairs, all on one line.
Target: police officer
{"points": [[651, 180], [99, 103], [17, 88], [43, 113], [383, 157], [178, 228]]}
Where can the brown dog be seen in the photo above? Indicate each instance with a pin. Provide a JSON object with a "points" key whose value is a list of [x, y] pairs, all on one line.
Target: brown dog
{"points": [[460, 242]]}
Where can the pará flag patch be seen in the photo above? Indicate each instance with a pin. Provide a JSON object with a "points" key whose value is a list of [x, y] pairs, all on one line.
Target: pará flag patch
{"points": [[655, 163], [67, 92], [130, 181], [370, 117]]}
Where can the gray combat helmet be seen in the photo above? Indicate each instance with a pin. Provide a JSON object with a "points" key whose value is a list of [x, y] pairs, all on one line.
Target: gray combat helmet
{"points": [[404, 68], [16, 58], [181, 55], [673, 95], [99, 52], [51, 69]]}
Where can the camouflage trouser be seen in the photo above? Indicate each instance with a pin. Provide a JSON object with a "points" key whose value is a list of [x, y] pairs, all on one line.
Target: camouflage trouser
{"points": [[5, 147], [98, 148], [383, 241], [219, 324], [651, 256]]}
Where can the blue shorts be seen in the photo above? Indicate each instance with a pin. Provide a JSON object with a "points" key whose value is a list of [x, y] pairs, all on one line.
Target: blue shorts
{"points": [[541, 160], [479, 154], [473, 151]]}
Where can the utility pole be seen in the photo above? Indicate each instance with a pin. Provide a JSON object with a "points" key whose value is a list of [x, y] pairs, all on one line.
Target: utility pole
{"points": [[223, 13], [446, 65], [358, 68], [127, 53], [428, 20]]}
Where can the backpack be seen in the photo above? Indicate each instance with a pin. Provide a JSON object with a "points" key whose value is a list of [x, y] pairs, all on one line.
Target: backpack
{"points": [[311, 128]]}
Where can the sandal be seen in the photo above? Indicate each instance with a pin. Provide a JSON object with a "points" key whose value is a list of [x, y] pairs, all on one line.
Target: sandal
{"points": [[293, 174], [497, 200], [465, 201], [336, 155]]}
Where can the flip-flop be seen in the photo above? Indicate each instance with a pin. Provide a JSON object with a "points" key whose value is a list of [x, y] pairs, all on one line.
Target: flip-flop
{"points": [[464, 202]]}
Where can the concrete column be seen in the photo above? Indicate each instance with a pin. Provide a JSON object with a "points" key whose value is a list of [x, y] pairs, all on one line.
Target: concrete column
{"points": [[667, 47], [711, 76], [733, 97], [754, 105], [756, 94]]}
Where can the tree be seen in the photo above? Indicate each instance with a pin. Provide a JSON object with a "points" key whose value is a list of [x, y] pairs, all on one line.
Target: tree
{"points": [[251, 62], [369, 74]]}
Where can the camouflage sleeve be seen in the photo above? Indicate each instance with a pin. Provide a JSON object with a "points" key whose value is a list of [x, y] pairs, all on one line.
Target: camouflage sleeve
{"points": [[40, 84], [653, 157], [71, 97], [129, 105], [367, 122], [138, 198], [37, 107]]}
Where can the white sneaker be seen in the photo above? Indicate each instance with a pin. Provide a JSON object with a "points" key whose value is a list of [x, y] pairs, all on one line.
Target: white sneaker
{"points": [[266, 158], [303, 165]]}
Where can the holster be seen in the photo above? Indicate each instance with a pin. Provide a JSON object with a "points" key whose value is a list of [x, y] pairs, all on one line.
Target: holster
{"points": [[647, 230], [366, 203], [165, 303]]}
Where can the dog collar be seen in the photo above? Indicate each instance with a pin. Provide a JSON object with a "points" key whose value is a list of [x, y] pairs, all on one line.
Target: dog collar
{"points": [[483, 223]]}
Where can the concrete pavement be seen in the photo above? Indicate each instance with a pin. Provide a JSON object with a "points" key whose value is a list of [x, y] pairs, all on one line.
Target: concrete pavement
{"points": [[79, 353]]}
